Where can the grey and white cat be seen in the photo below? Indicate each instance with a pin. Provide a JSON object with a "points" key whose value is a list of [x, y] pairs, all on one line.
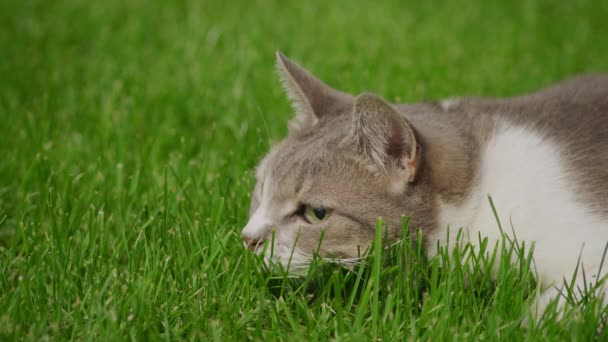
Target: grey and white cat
{"points": [[543, 157]]}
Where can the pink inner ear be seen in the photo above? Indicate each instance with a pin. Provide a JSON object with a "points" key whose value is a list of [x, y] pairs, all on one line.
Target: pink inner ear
{"points": [[413, 163], [397, 145], [400, 150]]}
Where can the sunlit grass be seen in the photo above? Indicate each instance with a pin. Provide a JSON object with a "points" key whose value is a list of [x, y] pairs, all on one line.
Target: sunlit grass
{"points": [[129, 129]]}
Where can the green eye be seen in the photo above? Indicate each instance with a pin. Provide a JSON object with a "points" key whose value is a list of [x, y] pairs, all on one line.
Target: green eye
{"points": [[316, 214]]}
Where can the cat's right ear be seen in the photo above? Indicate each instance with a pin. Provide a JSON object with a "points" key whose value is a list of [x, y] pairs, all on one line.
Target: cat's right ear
{"points": [[310, 97], [381, 134]]}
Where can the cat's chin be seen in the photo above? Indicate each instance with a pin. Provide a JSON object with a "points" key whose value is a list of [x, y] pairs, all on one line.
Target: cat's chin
{"points": [[283, 260], [278, 265], [298, 264]]}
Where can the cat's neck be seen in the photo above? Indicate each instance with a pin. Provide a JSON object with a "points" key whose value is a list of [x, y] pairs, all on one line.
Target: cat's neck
{"points": [[450, 150]]}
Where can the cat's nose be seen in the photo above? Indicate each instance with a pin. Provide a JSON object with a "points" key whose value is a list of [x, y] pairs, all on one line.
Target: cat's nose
{"points": [[251, 243]]}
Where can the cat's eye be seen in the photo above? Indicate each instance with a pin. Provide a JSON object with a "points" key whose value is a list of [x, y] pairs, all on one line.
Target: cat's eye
{"points": [[316, 215]]}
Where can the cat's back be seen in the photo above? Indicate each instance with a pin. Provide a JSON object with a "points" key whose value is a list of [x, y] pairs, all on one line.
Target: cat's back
{"points": [[571, 117], [575, 110], [581, 101], [579, 90], [543, 158]]}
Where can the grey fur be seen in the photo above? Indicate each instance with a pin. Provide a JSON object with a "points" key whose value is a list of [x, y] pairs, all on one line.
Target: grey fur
{"points": [[347, 152]]}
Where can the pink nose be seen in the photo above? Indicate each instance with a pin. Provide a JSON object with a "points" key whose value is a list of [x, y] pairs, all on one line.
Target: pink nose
{"points": [[251, 243]]}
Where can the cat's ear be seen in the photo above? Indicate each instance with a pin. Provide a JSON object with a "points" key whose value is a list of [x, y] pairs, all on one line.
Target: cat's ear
{"points": [[385, 136], [310, 97]]}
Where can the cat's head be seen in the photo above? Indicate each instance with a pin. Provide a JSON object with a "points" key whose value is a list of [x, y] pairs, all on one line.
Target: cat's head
{"points": [[346, 162]]}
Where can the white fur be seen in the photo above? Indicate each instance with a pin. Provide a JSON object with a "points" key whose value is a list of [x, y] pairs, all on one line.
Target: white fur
{"points": [[397, 183], [524, 175], [448, 104], [261, 220], [267, 217]]}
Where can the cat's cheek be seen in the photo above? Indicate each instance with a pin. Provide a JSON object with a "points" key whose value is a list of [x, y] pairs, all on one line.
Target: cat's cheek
{"points": [[285, 259], [347, 239], [254, 204], [283, 251]]}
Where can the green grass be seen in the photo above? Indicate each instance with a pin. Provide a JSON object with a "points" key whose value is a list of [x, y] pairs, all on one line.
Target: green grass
{"points": [[128, 131]]}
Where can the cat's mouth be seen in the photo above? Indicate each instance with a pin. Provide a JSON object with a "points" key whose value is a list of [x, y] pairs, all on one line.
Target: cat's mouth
{"points": [[281, 258], [295, 262]]}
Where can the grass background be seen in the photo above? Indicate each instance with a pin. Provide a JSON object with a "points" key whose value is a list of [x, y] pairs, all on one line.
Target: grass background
{"points": [[128, 130]]}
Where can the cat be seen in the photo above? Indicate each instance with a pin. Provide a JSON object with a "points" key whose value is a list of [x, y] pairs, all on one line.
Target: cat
{"points": [[347, 160]]}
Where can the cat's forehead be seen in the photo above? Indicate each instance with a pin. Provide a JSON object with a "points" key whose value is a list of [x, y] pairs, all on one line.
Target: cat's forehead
{"points": [[303, 151], [300, 157], [310, 170], [286, 166]]}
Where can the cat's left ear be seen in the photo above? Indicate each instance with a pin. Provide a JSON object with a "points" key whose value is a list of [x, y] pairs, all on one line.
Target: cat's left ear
{"points": [[310, 97], [386, 137]]}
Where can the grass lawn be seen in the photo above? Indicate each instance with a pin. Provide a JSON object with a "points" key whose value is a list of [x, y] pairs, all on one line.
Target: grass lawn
{"points": [[129, 129]]}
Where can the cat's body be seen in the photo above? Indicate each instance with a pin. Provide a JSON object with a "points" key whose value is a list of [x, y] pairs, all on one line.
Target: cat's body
{"points": [[543, 158]]}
